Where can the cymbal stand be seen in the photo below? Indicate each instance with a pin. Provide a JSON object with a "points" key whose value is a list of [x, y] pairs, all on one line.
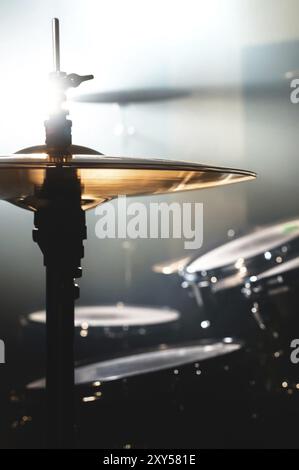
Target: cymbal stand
{"points": [[59, 231]]}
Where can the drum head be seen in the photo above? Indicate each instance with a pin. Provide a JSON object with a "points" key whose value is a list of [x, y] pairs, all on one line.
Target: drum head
{"points": [[152, 361], [246, 247]]}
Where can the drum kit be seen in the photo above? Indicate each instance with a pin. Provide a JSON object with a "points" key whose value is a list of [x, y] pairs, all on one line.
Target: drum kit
{"points": [[247, 289], [147, 389]]}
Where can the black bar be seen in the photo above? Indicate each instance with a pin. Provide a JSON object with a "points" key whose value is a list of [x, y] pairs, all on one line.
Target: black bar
{"points": [[56, 44]]}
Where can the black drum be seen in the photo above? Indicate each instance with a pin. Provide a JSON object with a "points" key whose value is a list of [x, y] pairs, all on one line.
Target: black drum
{"points": [[103, 330], [199, 395], [274, 297], [217, 278]]}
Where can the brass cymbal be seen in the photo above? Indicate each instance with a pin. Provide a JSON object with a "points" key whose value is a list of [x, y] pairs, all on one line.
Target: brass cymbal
{"points": [[103, 178], [173, 266]]}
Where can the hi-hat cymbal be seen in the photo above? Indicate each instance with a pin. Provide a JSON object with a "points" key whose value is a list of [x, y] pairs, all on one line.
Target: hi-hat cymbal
{"points": [[139, 95], [103, 178]]}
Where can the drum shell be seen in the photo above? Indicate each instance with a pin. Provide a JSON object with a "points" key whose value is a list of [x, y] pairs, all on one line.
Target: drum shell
{"points": [[277, 297], [95, 342], [277, 300], [228, 313]]}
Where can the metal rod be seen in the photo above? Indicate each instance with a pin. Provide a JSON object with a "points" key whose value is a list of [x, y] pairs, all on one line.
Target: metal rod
{"points": [[56, 44]]}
